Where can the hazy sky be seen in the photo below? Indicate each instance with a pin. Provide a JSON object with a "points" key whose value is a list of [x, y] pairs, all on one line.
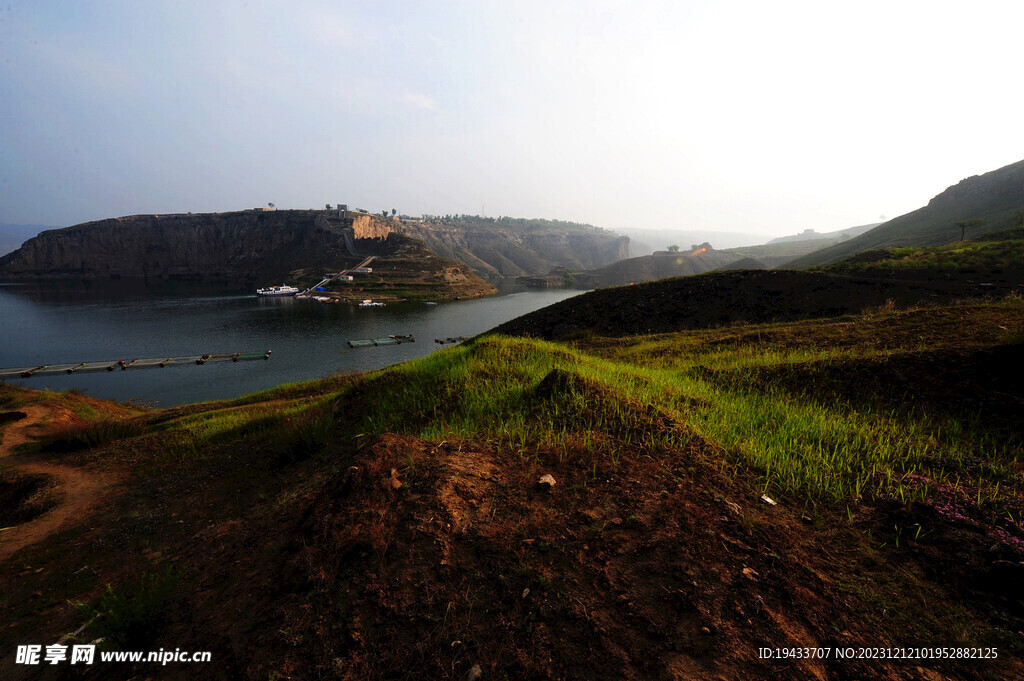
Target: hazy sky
{"points": [[751, 116]]}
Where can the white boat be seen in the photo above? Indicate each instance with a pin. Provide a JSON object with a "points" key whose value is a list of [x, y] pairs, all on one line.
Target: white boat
{"points": [[369, 303], [281, 290]]}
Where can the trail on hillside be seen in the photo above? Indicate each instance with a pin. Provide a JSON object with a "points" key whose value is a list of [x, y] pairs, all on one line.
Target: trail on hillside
{"points": [[80, 489]]}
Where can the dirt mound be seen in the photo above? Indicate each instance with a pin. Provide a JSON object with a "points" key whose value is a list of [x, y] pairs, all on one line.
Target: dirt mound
{"points": [[423, 560]]}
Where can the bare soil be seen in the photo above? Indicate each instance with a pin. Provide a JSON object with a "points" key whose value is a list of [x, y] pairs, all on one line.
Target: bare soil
{"points": [[79, 490]]}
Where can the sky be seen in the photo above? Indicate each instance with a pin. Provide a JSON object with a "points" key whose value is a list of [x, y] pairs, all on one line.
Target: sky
{"points": [[731, 115]]}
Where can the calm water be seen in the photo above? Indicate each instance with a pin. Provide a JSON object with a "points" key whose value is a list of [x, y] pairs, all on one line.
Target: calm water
{"points": [[57, 323]]}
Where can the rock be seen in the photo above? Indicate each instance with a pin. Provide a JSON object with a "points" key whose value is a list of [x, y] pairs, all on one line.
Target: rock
{"points": [[474, 673], [352, 477], [546, 482]]}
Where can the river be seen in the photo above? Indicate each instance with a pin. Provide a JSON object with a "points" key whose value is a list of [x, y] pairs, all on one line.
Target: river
{"points": [[55, 323]]}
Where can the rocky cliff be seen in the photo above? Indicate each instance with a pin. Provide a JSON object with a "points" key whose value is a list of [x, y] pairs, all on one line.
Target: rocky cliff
{"points": [[241, 247], [262, 245], [507, 247]]}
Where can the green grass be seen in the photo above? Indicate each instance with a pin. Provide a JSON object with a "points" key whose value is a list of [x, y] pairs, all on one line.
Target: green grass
{"points": [[987, 255], [91, 434], [492, 390]]}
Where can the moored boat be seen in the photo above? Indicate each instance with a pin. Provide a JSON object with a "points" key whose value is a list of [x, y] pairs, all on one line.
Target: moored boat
{"points": [[281, 290]]}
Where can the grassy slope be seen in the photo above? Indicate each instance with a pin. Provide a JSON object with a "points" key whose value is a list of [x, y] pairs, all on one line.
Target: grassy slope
{"points": [[994, 197], [986, 253], [363, 525], [743, 296]]}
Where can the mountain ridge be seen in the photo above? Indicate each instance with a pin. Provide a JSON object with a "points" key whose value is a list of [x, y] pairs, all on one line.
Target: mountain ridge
{"points": [[993, 198]]}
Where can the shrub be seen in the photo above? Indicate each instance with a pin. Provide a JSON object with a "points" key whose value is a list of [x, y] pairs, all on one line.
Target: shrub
{"points": [[130, 621], [85, 436]]}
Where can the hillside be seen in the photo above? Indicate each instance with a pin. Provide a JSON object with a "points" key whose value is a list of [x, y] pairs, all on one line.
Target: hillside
{"points": [[499, 248], [811, 235], [647, 241], [996, 198], [392, 525], [410, 271], [659, 265], [704, 258], [751, 296], [994, 251]]}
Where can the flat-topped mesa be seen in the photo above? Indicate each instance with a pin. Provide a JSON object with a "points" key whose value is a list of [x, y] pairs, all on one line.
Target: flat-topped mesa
{"points": [[240, 246]]}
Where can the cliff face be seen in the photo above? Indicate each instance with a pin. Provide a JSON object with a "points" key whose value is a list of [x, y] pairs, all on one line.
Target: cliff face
{"points": [[258, 245], [369, 226], [497, 250], [243, 246]]}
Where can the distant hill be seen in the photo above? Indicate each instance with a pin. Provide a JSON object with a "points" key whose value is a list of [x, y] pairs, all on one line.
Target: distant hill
{"points": [[994, 198], [13, 236], [658, 265], [811, 235], [664, 264], [505, 247], [648, 241]]}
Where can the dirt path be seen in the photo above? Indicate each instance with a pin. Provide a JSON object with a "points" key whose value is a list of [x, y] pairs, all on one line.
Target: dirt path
{"points": [[80, 489]]}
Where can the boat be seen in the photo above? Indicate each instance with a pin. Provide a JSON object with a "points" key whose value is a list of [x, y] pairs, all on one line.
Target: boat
{"points": [[281, 290], [369, 303], [429, 302]]}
